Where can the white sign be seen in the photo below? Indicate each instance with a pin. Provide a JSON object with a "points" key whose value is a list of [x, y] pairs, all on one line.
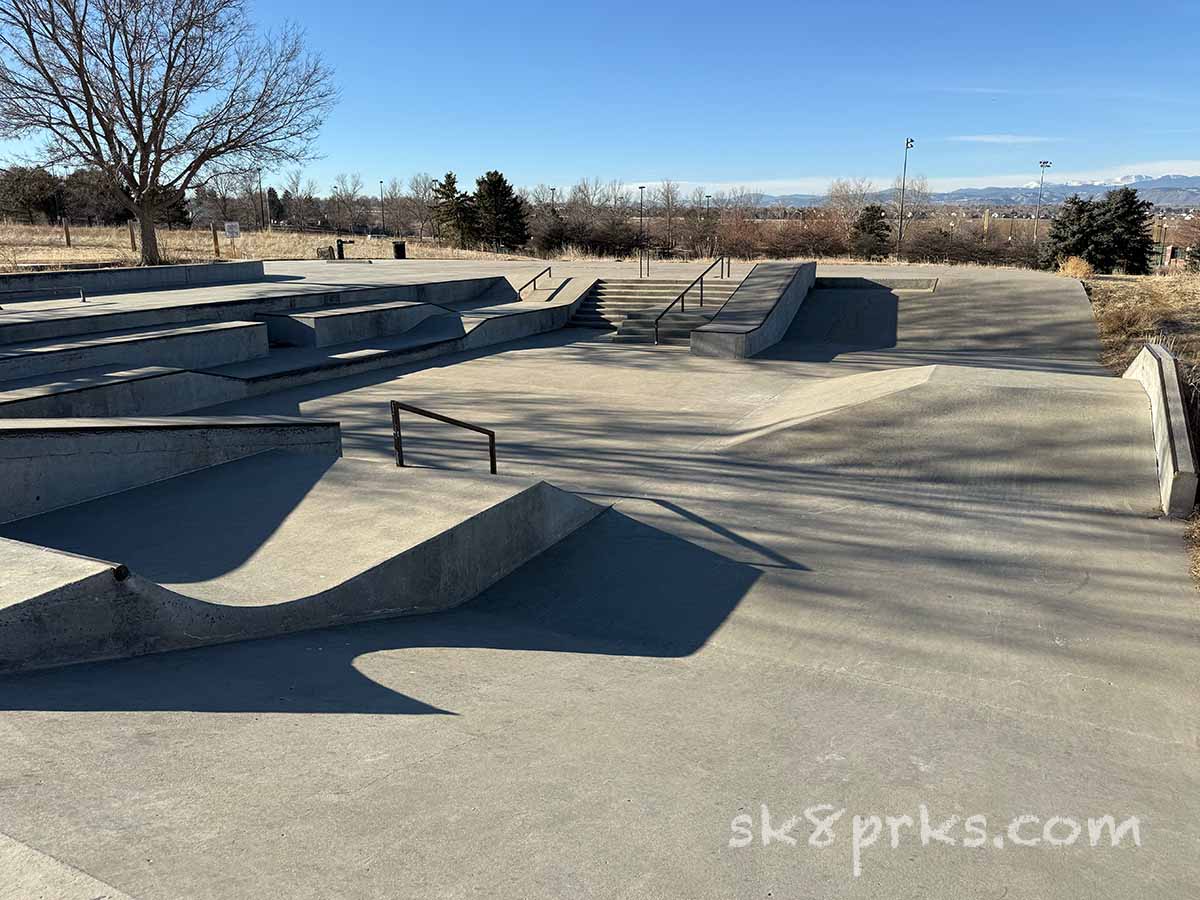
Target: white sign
{"points": [[232, 230]]}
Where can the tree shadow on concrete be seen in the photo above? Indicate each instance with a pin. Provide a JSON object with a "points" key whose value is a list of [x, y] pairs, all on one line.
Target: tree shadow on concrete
{"points": [[615, 587], [190, 528]]}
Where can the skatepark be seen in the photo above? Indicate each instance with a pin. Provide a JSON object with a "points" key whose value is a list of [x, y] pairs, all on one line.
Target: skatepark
{"points": [[879, 538]]}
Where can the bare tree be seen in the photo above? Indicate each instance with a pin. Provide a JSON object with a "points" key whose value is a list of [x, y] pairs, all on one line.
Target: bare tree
{"points": [[393, 205], [847, 198], [422, 202], [159, 95], [916, 198], [667, 197], [346, 197], [305, 205]]}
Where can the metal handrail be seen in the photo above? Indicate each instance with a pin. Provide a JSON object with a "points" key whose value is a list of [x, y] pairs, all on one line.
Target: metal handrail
{"points": [[399, 443], [722, 260], [533, 280]]}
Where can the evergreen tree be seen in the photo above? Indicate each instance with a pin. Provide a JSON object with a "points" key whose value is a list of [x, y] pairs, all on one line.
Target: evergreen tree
{"points": [[31, 193], [1125, 222], [870, 235], [501, 217], [454, 210], [1077, 231]]}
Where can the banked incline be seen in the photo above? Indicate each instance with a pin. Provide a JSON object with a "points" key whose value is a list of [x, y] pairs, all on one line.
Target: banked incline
{"points": [[268, 544]]}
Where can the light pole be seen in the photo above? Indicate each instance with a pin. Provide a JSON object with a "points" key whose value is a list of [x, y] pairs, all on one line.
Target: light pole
{"points": [[552, 192], [382, 211], [1045, 164], [1162, 242], [641, 227], [908, 144], [708, 222]]}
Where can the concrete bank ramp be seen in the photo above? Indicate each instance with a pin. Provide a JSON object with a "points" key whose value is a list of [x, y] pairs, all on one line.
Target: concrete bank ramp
{"points": [[265, 545], [1047, 438]]}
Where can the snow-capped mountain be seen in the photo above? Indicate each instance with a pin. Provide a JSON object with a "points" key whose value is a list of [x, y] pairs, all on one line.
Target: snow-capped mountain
{"points": [[1162, 190]]}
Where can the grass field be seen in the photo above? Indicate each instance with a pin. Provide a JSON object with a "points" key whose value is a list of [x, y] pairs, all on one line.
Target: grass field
{"points": [[46, 244]]}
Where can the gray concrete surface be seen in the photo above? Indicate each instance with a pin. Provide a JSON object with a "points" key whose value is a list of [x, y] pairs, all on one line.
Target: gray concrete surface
{"points": [[49, 463], [949, 594], [758, 314], [1158, 373], [137, 278], [274, 543]]}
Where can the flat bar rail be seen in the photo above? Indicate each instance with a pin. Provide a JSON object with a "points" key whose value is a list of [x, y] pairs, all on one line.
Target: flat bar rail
{"points": [[398, 442], [533, 280], [724, 263]]}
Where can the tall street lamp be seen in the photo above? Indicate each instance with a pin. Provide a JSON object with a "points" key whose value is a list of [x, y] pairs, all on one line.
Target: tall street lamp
{"points": [[552, 193], [908, 145], [382, 210], [642, 212], [708, 221], [1045, 164]]}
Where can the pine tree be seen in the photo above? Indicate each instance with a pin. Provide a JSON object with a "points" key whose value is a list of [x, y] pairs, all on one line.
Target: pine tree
{"points": [[1077, 231], [1125, 222], [501, 216], [870, 236], [454, 210]]}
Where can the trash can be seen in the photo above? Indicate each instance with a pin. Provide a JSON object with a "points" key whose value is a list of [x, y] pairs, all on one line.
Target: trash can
{"points": [[398, 250]]}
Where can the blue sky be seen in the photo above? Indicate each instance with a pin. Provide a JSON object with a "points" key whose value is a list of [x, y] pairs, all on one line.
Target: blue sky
{"points": [[777, 96]]}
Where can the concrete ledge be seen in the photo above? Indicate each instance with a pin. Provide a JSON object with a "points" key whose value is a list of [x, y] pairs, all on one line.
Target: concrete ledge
{"points": [[1155, 368], [140, 278], [346, 324], [192, 347], [50, 463], [18, 325], [759, 312], [144, 391]]}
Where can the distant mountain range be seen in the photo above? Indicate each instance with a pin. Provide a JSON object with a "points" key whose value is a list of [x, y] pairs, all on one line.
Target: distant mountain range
{"points": [[1165, 190]]}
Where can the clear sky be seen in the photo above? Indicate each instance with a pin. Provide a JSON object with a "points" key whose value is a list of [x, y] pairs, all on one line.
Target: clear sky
{"points": [[778, 96]]}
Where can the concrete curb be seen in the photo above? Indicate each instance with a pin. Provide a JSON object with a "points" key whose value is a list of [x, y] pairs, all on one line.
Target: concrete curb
{"points": [[1155, 368]]}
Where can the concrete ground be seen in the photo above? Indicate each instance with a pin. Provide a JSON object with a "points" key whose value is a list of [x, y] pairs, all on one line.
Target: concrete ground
{"points": [[943, 590]]}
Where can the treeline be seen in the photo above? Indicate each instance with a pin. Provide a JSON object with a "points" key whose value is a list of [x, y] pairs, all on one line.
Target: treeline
{"points": [[613, 219], [34, 195]]}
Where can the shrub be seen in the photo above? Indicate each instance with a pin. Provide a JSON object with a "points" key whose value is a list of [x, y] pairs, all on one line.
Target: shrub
{"points": [[1075, 267]]}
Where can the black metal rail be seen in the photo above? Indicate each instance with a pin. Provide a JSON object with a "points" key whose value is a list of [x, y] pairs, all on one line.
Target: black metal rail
{"points": [[398, 442], [723, 261], [533, 280]]}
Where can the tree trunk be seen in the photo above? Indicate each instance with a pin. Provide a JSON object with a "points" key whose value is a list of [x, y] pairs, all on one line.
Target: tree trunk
{"points": [[149, 238]]}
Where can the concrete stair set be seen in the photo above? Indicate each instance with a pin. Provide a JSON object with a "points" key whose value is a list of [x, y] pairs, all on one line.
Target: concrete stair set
{"points": [[630, 307]]}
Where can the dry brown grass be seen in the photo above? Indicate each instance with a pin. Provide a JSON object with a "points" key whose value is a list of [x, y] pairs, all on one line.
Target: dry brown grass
{"points": [[1132, 310], [46, 244], [1074, 267]]}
